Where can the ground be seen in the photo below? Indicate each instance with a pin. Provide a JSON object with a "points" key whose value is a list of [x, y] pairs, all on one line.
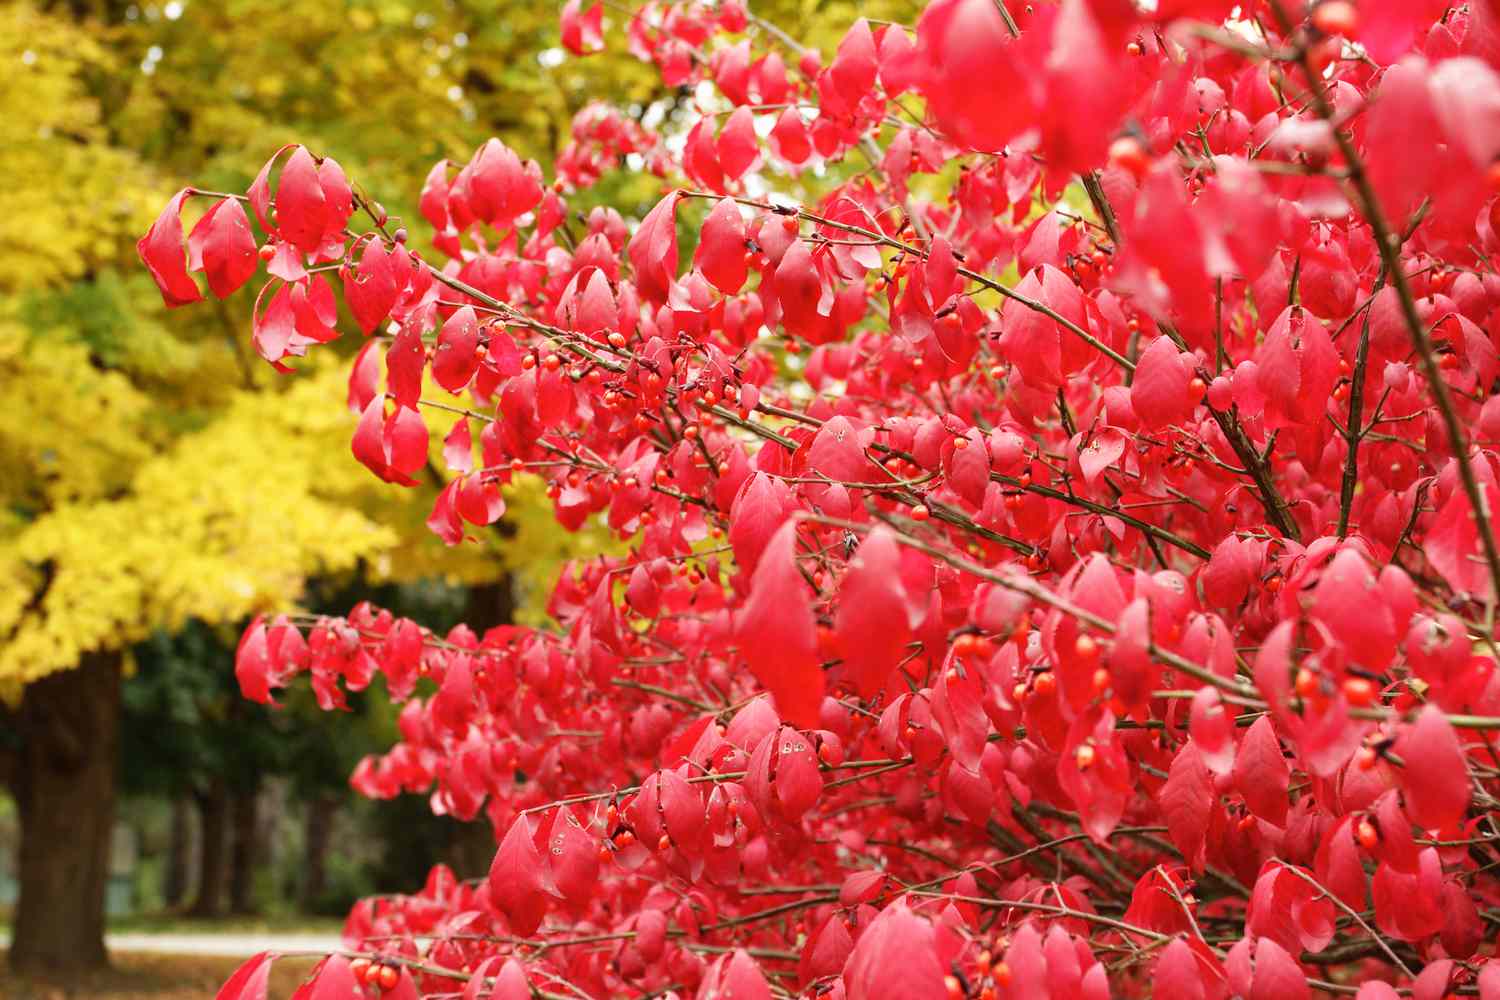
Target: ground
{"points": [[149, 976]]}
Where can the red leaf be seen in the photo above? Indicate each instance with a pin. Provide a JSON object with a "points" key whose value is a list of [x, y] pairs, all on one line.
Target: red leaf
{"points": [[1435, 778], [982, 84], [370, 288], [161, 251], [873, 620], [455, 359], [1261, 773], [895, 959], [1176, 975], [519, 881], [250, 980], [404, 363], [458, 447], [853, 68], [223, 248], [736, 145], [759, 510], [653, 250], [789, 139], [799, 290], [1159, 394], [1277, 975], [721, 248], [334, 981], [1187, 801], [776, 633], [583, 34], [300, 202]]}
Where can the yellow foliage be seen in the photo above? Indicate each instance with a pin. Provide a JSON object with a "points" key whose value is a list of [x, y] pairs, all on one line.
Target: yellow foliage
{"points": [[72, 201]]}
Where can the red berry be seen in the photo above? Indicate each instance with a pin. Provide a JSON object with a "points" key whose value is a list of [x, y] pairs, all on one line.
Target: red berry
{"points": [[1366, 834], [389, 977], [267, 251], [1045, 683], [920, 512], [1084, 755], [1086, 647]]}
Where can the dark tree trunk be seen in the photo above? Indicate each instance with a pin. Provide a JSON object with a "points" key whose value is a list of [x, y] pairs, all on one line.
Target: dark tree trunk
{"points": [[490, 604], [64, 784], [213, 810], [318, 835], [179, 854], [243, 838]]}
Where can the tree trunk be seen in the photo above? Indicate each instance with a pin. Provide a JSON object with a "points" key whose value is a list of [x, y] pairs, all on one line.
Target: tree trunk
{"points": [[319, 833], [243, 837], [64, 786], [213, 810], [179, 853]]}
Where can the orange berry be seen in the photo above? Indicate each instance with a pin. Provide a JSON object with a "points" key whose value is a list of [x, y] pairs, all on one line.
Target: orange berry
{"points": [[1366, 834], [1196, 388], [528, 362], [1018, 693], [1130, 154], [920, 512], [1045, 683], [389, 977], [664, 843], [1101, 680], [361, 968], [267, 251], [605, 854], [1359, 691], [617, 340], [1366, 758], [964, 644], [1336, 17], [953, 986], [1306, 683], [1086, 647], [960, 443], [983, 963], [1002, 974], [1133, 49], [1084, 755]]}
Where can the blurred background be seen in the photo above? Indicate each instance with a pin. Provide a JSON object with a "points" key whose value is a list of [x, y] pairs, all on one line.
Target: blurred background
{"points": [[159, 484]]}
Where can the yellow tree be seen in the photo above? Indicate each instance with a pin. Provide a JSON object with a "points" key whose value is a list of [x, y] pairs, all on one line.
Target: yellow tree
{"points": [[148, 472]]}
